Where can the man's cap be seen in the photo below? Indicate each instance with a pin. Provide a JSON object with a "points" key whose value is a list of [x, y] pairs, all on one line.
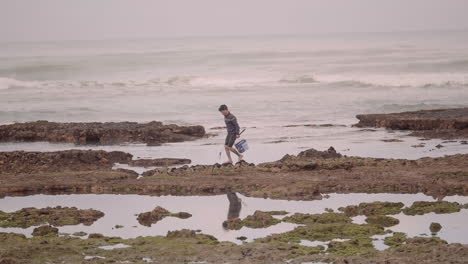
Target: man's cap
{"points": [[223, 107]]}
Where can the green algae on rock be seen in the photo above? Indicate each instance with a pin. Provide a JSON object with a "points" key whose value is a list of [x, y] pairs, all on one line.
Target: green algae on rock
{"points": [[375, 208], [325, 218], [435, 228], [357, 246], [259, 219], [45, 231], [395, 240], [56, 216], [157, 214], [382, 220], [438, 207]]}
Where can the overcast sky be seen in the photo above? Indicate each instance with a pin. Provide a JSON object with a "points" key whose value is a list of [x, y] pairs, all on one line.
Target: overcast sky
{"points": [[108, 19]]}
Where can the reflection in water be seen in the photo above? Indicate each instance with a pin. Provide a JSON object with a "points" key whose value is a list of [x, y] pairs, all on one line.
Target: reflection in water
{"points": [[209, 212], [235, 205]]}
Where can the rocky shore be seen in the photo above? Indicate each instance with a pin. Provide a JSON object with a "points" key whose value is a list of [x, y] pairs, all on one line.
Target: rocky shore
{"points": [[309, 175], [152, 133], [439, 123], [306, 176]]}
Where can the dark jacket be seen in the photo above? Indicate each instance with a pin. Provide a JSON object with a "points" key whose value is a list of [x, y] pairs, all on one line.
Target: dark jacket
{"points": [[231, 124]]}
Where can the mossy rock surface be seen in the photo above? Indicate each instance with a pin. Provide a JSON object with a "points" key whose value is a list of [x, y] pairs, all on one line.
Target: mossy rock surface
{"points": [[45, 231], [382, 220], [396, 240], [157, 214], [438, 207], [259, 219], [326, 232], [435, 227], [352, 247], [56, 216], [325, 218], [375, 208]]}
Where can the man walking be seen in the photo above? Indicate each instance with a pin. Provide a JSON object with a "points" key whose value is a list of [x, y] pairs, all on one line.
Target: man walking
{"points": [[233, 133]]}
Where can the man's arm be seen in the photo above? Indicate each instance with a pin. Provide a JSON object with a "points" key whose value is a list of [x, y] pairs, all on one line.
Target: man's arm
{"points": [[234, 121]]}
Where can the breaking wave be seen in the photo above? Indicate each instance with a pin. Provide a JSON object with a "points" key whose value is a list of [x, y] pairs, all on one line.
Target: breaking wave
{"points": [[7, 83], [188, 82]]}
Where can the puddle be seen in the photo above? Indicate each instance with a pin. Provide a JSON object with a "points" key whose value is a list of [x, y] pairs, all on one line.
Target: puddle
{"points": [[209, 212], [309, 243], [93, 257], [360, 219], [116, 246], [378, 241]]}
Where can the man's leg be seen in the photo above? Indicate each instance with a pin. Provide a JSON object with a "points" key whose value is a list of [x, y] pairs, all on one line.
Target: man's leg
{"points": [[240, 156], [228, 153]]}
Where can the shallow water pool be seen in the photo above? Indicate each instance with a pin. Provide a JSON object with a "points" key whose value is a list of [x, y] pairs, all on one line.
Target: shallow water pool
{"points": [[209, 212]]}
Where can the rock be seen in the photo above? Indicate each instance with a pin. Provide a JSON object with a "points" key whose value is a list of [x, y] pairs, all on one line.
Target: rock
{"points": [[184, 233], [382, 220], [157, 214], [241, 238], [45, 230], [439, 146], [315, 154], [439, 123], [152, 133], [80, 234], [95, 235], [8, 261], [57, 216], [325, 218], [438, 207], [392, 140], [259, 219], [163, 162], [435, 227], [58, 161], [375, 208]]}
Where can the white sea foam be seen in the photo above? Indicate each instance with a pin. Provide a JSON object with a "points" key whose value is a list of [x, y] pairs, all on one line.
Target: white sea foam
{"points": [[8, 83]]}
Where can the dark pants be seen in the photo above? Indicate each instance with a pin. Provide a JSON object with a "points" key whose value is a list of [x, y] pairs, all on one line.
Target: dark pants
{"points": [[230, 139]]}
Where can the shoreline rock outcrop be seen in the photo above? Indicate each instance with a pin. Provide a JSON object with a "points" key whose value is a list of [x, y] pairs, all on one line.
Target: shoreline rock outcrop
{"points": [[438, 123], [157, 214], [303, 177], [56, 216], [108, 133]]}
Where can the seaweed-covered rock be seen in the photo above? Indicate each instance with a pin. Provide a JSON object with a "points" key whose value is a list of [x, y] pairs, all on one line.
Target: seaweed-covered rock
{"points": [[438, 207], [152, 133], [437, 123], [162, 162], [395, 240], [435, 227], [57, 216], [95, 235], [259, 219], [375, 208], [382, 220], [330, 153], [45, 231], [59, 161], [157, 214], [191, 234], [325, 218]]}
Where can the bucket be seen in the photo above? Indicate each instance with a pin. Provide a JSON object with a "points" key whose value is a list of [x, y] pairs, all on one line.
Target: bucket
{"points": [[242, 146]]}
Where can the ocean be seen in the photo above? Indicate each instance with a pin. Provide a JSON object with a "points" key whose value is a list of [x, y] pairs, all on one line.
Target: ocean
{"points": [[290, 92]]}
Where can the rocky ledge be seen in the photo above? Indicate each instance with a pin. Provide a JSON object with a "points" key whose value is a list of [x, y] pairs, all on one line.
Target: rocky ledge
{"points": [[439, 123], [306, 176], [56, 216], [157, 214], [152, 133]]}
